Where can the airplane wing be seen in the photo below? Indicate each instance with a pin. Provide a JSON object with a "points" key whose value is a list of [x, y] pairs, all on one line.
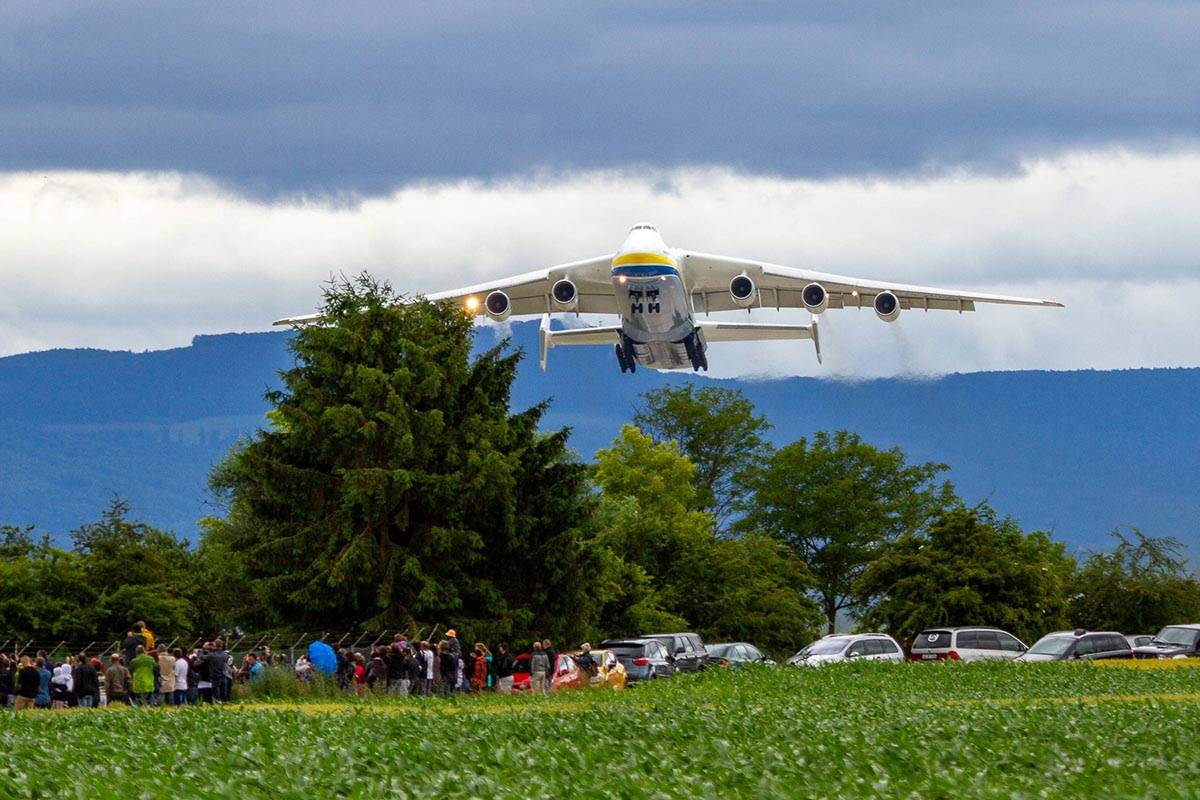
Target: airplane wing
{"points": [[529, 293], [781, 287]]}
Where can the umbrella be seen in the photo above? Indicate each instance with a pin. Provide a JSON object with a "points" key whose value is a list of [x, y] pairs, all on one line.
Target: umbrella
{"points": [[322, 657]]}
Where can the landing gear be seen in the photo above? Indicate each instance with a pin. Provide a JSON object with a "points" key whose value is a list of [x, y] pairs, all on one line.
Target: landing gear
{"points": [[625, 357], [695, 352]]}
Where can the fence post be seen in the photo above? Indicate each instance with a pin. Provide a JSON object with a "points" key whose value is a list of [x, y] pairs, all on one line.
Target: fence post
{"points": [[292, 649]]}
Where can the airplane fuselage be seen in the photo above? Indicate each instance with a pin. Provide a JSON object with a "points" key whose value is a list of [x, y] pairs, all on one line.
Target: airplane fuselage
{"points": [[657, 322]]}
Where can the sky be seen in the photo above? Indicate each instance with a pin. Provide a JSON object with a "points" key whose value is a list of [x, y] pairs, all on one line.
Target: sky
{"points": [[166, 172]]}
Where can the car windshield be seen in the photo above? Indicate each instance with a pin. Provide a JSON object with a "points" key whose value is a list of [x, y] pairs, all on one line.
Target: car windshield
{"points": [[1052, 645], [719, 650], [823, 647], [1181, 636]]}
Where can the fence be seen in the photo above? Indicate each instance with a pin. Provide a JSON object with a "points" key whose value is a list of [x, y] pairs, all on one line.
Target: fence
{"points": [[236, 643]]}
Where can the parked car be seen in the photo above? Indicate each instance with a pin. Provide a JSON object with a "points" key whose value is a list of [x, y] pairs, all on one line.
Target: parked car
{"points": [[1139, 640], [1078, 644], [1172, 641], [610, 672], [965, 643], [687, 649], [643, 658], [733, 654], [565, 675], [848, 647]]}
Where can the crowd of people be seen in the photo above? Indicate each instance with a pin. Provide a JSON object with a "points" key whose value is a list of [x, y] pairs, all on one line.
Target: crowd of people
{"points": [[144, 674]]}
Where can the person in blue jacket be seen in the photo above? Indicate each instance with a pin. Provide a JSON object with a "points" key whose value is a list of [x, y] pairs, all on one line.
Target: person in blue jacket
{"points": [[43, 695]]}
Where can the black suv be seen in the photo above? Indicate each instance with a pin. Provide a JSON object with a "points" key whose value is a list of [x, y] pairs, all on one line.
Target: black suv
{"points": [[643, 659], [1088, 645], [1171, 642], [687, 649]]}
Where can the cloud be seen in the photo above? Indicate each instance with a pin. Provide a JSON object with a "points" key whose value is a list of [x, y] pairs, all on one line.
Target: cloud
{"points": [[359, 96], [147, 260]]}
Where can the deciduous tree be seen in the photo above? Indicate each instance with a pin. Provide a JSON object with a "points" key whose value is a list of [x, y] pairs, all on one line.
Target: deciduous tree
{"points": [[836, 502]]}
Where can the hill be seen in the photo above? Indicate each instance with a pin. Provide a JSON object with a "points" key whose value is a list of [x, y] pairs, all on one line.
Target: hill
{"points": [[1076, 452]]}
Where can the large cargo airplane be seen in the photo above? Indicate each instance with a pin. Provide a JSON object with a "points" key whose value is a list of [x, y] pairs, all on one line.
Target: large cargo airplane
{"points": [[664, 297]]}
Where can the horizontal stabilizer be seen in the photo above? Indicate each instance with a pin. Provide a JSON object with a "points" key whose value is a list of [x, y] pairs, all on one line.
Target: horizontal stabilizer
{"points": [[605, 334], [758, 332]]}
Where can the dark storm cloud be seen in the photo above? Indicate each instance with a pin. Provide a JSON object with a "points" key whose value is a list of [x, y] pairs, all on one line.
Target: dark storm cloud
{"points": [[337, 97]]}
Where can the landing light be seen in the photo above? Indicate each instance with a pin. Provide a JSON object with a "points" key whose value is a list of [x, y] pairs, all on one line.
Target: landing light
{"points": [[621, 279], [472, 303]]}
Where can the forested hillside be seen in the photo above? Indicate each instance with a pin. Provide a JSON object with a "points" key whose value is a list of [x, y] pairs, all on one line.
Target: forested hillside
{"points": [[1078, 452]]}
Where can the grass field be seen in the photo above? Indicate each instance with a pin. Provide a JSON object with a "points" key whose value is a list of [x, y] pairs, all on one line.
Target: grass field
{"points": [[859, 730]]}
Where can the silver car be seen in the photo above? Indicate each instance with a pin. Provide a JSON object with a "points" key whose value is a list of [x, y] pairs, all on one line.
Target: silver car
{"points": [[848, 647]]}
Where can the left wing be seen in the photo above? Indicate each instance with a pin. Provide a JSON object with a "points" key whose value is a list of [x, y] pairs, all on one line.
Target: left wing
{"points": [[780, 287], [528, 293]]}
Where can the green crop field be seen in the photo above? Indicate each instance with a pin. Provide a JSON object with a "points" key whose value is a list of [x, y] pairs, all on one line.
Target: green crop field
{"points": [[859, 730]]}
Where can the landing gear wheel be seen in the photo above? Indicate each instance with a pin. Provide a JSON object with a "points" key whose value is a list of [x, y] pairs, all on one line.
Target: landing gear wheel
{"points": [[625, 356], [621, 359], [695, 353]]}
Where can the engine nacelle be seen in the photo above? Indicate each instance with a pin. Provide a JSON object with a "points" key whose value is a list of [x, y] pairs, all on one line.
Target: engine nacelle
{"points": [[498, 306], [741, 289], [887, 306], [565, 295], [815, 298]]}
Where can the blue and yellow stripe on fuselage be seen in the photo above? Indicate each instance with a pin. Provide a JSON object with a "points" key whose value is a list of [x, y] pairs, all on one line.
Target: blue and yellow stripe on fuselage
{"points": [[643, 265]]}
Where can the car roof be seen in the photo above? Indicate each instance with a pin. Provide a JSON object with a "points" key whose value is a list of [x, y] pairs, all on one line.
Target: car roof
{"points": [[1078, 633], [849, 636], [656, 635], [953, 628], [725, 644], [636, 640], [1195, 626]]}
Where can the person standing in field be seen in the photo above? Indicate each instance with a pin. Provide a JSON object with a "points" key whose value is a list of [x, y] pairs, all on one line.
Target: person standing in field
{"points": [[144, 632], [539, 665], [551, 656], [133, 639], [7, 681], [142, 668], [447, 667], [180, 669], [479, 668], [118, 683], [502, 669], [61, 685], [27, 683], [44, 675], [87, 683], [166, 678], [218, 664]]}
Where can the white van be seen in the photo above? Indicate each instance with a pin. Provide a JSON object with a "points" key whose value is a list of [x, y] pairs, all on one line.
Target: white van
{"points": [[966, 643]]}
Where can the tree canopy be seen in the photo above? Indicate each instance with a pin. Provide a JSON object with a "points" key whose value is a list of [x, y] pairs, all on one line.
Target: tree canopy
{"points": [[1140, 585], [969, 568], [395, 486], [836, 502], [716, 428]]}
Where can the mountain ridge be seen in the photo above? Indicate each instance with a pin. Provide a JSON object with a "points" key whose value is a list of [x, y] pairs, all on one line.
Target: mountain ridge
{"points": [[1079, 452]]}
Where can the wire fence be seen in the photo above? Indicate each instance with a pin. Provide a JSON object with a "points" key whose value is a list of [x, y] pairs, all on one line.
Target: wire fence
{"points": [[236, 642]]}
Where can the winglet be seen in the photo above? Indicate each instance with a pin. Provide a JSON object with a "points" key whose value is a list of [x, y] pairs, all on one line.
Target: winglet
{"points": [[544, 341], [816, 339]]}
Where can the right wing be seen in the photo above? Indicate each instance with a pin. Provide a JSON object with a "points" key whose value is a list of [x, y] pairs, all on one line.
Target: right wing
{"points": [[529, 293], [780, 287]]}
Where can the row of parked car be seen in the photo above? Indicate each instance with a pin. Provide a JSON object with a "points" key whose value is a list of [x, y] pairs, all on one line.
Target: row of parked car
{"points": [[971, 643], [617, 663]]}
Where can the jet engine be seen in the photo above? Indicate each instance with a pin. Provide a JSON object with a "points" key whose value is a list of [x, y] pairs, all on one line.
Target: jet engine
{"points": [[741, 289], [887, 306], [565, 295], [498, 306], [815, 298]]}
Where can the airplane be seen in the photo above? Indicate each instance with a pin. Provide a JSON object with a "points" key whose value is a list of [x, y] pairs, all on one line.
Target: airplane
{"points": [[661, 294]]}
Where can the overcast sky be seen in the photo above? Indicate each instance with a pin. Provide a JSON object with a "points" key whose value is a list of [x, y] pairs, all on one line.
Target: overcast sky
{"points": [[166, 172]]}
